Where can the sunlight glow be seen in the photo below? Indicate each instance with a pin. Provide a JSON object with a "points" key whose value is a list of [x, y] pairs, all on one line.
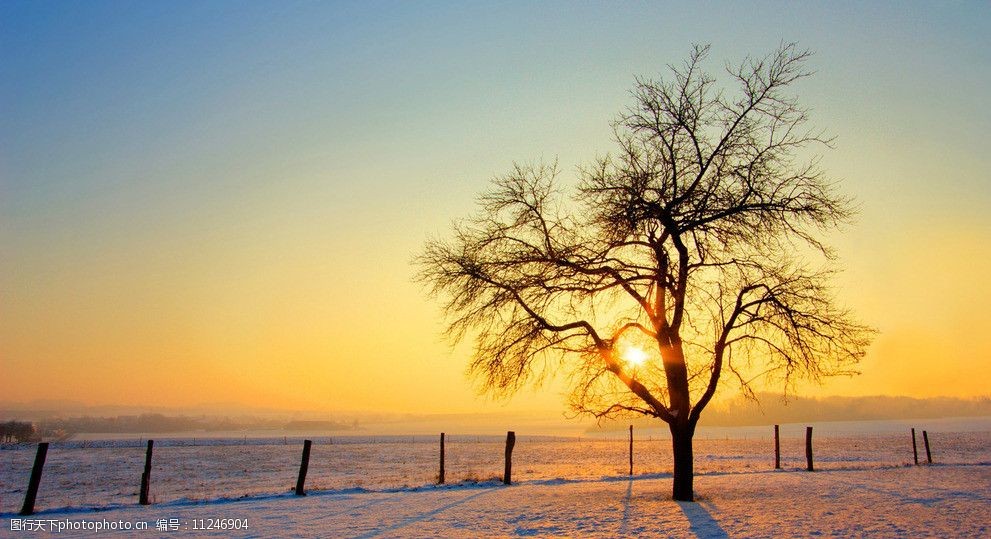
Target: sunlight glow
{"points": [[634, 356]]}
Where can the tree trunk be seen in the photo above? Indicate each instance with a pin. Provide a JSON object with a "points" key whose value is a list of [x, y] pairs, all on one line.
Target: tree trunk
{"points": [[684, 473], [682, 428]]}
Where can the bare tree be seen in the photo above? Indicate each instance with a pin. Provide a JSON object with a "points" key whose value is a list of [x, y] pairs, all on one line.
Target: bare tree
{"points": [[693, 245]]}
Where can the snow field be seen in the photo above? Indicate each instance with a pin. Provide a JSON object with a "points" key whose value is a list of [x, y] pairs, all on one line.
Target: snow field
{"points": [[899, 501]]}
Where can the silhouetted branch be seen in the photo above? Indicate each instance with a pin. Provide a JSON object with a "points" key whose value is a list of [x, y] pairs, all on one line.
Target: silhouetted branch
{"points": [[689, 235]]}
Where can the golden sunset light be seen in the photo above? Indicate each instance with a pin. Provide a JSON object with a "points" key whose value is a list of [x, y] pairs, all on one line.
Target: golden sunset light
{"points": [[254, 250], [630, 241], [634, 356]]}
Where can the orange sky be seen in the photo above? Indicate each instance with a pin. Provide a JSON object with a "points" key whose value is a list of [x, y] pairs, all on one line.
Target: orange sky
{"points": [[204, 209]]}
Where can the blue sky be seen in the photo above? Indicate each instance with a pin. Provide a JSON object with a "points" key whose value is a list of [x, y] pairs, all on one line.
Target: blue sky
{"points": [[205, 185]]}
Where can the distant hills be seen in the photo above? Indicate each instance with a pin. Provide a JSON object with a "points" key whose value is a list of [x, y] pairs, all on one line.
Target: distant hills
{"points": [[774, 409], [65, 427], [61, 420]]}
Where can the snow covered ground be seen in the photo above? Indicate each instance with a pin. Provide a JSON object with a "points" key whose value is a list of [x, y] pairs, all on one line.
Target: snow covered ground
{"points": [[927, 501], [864, 485]]}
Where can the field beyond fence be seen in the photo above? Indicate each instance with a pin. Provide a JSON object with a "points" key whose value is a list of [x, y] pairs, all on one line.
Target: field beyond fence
{"points": [[108, 473]]}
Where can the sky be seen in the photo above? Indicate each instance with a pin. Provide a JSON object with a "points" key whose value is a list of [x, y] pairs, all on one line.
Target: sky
{"points": [[218, 202]]}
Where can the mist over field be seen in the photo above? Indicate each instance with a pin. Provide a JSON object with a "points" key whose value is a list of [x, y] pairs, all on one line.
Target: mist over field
{"points": [[75, 418]]}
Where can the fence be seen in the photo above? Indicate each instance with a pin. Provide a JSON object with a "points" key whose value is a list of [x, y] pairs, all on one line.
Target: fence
{"points": [[223, 469]]}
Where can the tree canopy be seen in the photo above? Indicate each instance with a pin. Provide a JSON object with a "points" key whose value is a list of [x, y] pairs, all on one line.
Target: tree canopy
{"points": [[699, 239]]}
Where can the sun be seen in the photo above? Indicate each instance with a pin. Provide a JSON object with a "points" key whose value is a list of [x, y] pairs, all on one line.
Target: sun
{"points": [[634, 356]]}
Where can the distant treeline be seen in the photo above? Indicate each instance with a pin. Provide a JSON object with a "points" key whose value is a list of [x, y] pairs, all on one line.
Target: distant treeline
{"points": [[773, 409], [18, 431], [61, 428], [315, 426]]}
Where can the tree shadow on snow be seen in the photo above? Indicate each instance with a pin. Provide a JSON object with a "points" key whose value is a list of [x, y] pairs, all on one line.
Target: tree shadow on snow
{"points": [[701, 522]]}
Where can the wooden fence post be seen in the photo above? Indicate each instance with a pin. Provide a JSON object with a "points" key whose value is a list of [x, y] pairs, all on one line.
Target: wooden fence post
{"points": [[925, 439], [507, 477], [39, 465], [440, 477], [304, 464], [808, 448], [146, 476], [777, 448], [631, 449], [915, 450]]}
